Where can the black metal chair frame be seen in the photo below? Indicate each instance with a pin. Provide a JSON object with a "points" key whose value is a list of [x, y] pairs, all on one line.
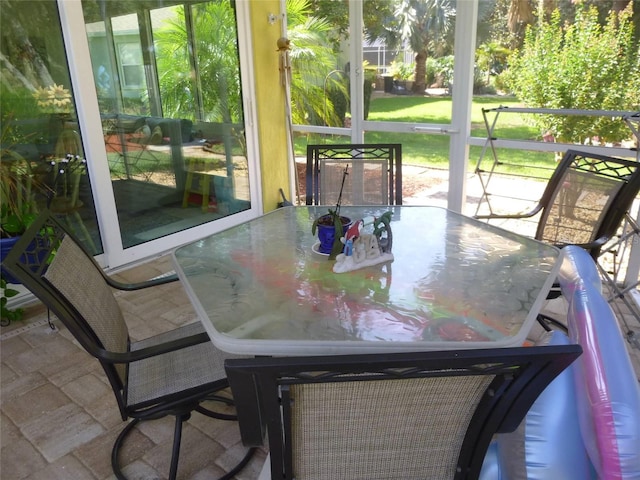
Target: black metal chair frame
{"points": [[30, 260], [261, 389], [627, 172], [373, 152]]}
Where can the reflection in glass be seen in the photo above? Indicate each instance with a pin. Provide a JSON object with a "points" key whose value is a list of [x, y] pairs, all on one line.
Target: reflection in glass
{"points": [[41, 145], [168, 82]]}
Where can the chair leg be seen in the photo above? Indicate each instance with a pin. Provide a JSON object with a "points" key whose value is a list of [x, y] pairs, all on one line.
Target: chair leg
{"points": [[177, 438], [116, 448], [175, 453], [548, 323]]}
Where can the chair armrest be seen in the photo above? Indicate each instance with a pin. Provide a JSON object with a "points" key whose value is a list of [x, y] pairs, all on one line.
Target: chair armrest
{"points": [[141, 285], [596, 244], [530, 214], [151, 351]]}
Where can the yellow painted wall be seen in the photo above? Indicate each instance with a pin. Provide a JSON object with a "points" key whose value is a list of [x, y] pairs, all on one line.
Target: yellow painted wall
{"points": [[270, 101]]}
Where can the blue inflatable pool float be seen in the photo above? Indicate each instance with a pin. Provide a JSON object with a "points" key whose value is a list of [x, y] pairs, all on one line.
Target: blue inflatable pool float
{"points": [[586, 424]]}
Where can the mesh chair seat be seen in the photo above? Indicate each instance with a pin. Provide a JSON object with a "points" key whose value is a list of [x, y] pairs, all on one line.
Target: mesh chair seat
{"points": [[175, 372], [342, 441]]}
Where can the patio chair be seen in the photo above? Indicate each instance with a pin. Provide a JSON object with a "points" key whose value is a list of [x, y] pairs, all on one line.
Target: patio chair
{"points": [[584, 201], [374, 175], [583, 204], [168, 374], [381, 416]]}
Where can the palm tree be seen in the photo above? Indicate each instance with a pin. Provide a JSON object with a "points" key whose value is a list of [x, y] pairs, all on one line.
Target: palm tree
{"points": [[521, 12], [313, 66], [424, 24], [213, 88]]}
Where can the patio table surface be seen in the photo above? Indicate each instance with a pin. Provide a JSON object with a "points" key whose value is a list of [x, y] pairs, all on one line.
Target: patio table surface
{"points": [[260, 288]]}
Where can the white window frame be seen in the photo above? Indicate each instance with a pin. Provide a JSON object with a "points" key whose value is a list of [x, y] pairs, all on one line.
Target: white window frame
{"points": [[85, 95]]}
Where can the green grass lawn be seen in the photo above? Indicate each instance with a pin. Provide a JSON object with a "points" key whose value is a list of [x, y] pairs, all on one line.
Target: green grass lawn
{"points": [[433, 150]]}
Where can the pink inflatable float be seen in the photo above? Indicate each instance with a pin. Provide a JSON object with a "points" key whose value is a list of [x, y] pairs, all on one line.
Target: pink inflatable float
{"points": [[586, 424]]}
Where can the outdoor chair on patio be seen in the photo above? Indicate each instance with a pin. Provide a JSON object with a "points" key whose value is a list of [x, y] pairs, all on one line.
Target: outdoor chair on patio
{"points": [[169, 374], [424, 415], [584, 201], [374, 174], [584, 204]]}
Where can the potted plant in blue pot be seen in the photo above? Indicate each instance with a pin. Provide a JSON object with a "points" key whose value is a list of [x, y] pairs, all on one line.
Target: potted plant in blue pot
{"points": [[21, 182], [17, 211], [331, 226], [16, 195]]}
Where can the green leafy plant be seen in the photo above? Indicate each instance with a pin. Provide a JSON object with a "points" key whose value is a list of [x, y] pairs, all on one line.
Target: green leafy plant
{"points": [[334, 218], [402, 71], [18, 208], [8, 315], [20, 182], [581, 65]]}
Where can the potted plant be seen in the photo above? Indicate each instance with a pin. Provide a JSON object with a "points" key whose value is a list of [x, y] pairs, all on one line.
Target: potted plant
{"points": [[332, 226], [403, 74], [17, 211], [18, 208], [20, 183]]}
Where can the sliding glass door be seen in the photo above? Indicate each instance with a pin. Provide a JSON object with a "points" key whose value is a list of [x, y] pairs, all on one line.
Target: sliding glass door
{"points": [[167, 76], [126, 118]]}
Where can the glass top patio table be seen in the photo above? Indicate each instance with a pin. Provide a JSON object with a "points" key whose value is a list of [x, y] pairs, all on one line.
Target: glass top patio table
{"points": [[260, 288]]}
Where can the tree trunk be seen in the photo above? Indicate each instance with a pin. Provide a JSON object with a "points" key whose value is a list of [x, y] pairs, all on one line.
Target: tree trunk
{"points": [[619, 5], [420, 84], [20, 52]]}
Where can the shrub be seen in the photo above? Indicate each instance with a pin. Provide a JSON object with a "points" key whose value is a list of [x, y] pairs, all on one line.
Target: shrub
{"points": [[579, 66]]}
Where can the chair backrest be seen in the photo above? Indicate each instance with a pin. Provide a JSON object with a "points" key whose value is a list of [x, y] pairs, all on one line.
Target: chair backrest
{"points": [[586, 199], [58, 270], [374, 175], [400, 415]]}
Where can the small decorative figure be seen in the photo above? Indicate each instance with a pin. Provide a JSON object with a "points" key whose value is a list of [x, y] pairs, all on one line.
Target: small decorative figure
{"points": [[352, 234], [365, 249]]}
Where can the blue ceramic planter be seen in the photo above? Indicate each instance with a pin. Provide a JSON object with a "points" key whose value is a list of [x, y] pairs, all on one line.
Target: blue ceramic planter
{"points": [[326, 232], [6, 244], [33, 254]]}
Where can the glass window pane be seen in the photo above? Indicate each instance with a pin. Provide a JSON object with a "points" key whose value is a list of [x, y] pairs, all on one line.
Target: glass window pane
{"points": [[168, 80], [42, 155]]}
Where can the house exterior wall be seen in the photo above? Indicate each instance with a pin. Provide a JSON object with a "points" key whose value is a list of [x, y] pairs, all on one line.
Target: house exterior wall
{"points": [[270, 102]]}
